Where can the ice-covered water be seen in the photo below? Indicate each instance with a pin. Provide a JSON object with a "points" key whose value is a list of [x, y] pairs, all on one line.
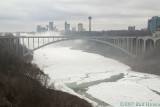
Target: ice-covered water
{"points": [[97, 75]]}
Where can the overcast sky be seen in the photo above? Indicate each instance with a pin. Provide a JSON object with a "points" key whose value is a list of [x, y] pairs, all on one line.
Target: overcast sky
{"points": [[24, 15]]}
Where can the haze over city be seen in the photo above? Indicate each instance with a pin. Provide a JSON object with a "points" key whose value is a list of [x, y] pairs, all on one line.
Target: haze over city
{"points": [[79, 53], [24, 15]]}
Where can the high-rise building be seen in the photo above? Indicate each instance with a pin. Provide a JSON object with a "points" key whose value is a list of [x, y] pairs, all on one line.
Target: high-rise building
{"points": [[154, 24], [67, 27], [51, 28], [131, 28], [80, 27]]}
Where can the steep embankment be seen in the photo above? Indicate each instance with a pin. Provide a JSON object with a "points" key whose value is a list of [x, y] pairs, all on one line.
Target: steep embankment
{"points": [[23, 84]]}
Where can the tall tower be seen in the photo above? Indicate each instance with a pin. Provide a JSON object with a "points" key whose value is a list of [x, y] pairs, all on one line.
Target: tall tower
{"points": [[90, 23]]}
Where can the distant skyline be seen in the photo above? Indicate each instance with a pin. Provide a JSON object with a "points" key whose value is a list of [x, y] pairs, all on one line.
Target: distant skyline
{"points": [[24, 15]]}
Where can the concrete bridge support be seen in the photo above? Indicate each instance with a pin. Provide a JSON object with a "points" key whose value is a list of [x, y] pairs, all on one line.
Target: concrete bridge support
{"points": [[135, 46], [149, 45], [132, 45], [140, 46], [157, 43]]}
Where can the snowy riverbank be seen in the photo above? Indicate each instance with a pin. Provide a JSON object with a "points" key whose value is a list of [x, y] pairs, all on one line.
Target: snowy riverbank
{"points": [[95, 75]]}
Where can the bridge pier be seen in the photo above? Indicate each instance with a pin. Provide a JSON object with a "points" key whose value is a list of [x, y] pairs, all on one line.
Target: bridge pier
{"points": [[131, 45], [157, 43], [128, 45], [139, 47], [149, 45]]}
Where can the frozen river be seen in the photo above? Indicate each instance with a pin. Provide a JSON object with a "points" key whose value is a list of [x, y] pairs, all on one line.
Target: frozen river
{"points": [[100, 79]]}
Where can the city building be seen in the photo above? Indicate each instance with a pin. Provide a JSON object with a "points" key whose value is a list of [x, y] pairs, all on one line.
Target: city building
{"points": [[67, 27], [38, 28], [80, 27], [51, 28], [131, 28], [154, 24], [41, 29]]}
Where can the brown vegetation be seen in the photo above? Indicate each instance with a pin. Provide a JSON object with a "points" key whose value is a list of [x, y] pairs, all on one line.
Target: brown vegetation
{"points": [[23, 84]]}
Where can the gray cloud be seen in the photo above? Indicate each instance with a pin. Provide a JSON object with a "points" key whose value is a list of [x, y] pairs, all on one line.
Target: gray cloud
{"points": [[27, 13]]}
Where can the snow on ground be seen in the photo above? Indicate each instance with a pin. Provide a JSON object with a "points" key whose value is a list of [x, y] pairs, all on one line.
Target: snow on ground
{"points": [[135, 87], [64, 65], [72, 65], [124, 91], [153, 83]]}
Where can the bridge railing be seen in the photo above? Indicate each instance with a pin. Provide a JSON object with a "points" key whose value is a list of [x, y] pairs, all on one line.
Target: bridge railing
{"points": [[133, 45]]}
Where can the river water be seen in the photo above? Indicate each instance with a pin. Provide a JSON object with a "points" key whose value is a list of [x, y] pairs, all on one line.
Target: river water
{"points": [[101, 80]]}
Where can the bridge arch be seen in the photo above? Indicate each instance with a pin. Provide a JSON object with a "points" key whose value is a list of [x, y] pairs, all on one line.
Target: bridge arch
{"points": [[90, 39], [149, 44]]}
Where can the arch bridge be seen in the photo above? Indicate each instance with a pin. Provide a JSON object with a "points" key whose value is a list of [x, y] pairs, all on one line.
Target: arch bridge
{"points": [[133, 46]]}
